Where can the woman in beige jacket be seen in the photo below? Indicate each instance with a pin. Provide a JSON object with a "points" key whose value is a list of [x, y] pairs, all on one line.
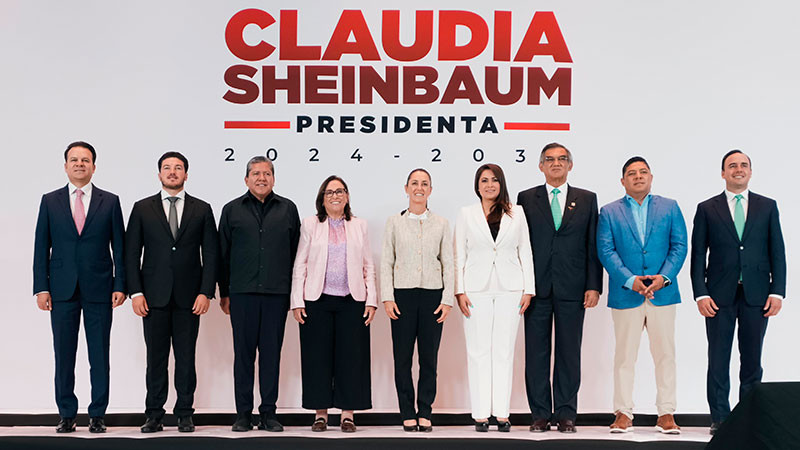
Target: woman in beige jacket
{"points": [[417, 292]]}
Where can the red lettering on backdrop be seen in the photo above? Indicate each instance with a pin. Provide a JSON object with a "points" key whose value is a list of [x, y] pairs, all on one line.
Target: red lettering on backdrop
{"points": [[462, 76], [348, 85], [290, 50], [543, 24], [371, 80], [561, 81], [235, 40], [235, 78], [411, 84], [493, 87], [423, 36], [448, 23], [351, 22], [270, 84], [502, 35], [314, 84]]}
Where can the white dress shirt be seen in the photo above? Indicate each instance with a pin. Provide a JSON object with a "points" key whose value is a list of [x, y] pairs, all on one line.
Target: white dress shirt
{"points": [[562, 196], [178, 204], [87, 196], [732, 202]]}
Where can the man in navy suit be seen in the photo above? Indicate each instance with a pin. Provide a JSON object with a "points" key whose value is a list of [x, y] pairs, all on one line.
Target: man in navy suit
{"points": [[73, 271], [642, 243], [738, 274]]}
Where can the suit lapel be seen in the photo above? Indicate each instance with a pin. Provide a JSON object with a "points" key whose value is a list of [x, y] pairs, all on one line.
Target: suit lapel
{"points": [[505, 225], [651, 214], [188, 210], [753, 205], [721, 205], [627, 211], [482, 223], [158, 210], [63, 200], [569, 209], [543, 202], [94, 205]]}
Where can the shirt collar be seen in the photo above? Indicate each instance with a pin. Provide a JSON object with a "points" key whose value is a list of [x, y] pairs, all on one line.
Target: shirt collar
{"points": [[561, 189], [632, 200], [87, 190], [422, 216], [165, 195], [731, 196]]}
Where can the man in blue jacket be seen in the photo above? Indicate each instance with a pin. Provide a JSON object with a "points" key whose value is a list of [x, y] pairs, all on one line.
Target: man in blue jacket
{"points": [[73, 273], [642, 243]]}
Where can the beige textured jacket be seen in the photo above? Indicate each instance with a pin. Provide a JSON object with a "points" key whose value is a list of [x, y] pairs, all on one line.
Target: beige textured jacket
{"points": [[417, 254]]}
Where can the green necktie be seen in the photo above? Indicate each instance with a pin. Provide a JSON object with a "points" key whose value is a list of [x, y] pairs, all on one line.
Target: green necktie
{"points": [[555, 208], [738, 215]]}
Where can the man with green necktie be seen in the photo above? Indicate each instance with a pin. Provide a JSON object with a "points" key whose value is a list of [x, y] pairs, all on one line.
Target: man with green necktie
{"points": [[562, 221], [738, 274]]}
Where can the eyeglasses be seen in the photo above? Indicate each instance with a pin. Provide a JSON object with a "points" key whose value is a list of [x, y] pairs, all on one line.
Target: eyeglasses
{"points": [[551, 160], [338, 192]]}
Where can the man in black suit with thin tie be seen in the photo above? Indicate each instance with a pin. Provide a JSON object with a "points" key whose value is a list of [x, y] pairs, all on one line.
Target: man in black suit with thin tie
{"points": [[738, 273], [569, 278], [74, 273], [172, 286]]}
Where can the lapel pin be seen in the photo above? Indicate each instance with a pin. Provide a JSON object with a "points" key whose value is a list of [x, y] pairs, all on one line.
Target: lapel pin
{"points": [[571, 205]]}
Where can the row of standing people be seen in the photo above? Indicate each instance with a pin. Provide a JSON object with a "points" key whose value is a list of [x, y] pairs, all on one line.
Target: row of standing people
{"points": [[322, 269]]}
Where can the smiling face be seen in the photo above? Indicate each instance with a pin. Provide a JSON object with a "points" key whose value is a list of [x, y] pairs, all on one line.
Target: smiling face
{"points": [[173, 174], [418, 188], [488, 186], [79, 166], [555, 165], [335, 199], [260, 180], [637, 180], [736, 171]]}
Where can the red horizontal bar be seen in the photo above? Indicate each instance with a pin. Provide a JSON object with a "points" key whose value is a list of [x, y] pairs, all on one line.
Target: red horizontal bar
{"points": [[257, 125], [536, 126]]}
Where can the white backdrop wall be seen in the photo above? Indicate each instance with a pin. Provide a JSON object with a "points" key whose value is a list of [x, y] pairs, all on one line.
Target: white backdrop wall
{"points": [[679, 83]]}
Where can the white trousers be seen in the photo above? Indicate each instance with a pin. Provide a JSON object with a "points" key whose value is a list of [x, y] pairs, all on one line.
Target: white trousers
{"points": [[628, 327], [491, 333]]}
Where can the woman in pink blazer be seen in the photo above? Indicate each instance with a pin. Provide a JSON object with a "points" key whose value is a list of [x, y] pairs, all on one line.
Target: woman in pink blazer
{"points": [[334, 300]]}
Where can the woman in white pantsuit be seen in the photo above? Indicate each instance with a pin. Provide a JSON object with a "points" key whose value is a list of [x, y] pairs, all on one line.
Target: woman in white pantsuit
{"points": [[494, 286]]}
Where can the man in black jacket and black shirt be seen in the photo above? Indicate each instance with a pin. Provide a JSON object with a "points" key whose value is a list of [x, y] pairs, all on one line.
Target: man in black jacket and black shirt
{"points": [[258, 235]]}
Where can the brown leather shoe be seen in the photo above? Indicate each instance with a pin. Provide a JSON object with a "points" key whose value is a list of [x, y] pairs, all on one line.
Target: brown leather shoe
{"points": [[622, 424], [320, 424], [540, 426], [348, 426], [666, 424], [566, 426]]}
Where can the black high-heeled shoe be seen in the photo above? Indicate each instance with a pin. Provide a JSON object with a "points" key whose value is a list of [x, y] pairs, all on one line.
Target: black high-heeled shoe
{"points": [[504, 427], [409, 427], [482, 427]]}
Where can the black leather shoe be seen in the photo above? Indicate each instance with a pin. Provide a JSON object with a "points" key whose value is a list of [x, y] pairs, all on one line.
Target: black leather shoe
{"points": [[270, 424], [714, 427], [504, 427], [482, 427], [65, 426], [425, 428], [540, 425], [243, 423], [185, 424], [152, 425], [566, 426], [410, 427], [97, 425]]}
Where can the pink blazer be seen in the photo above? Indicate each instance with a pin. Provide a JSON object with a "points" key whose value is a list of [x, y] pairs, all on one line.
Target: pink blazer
{"points": [[308, 275]]}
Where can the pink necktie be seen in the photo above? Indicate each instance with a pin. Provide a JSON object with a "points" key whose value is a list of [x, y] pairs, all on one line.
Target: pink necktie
{"points": [[79, 214]]}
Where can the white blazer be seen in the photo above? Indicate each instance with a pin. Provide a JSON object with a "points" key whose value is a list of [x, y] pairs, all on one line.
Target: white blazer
{"points": [[476, 253]]}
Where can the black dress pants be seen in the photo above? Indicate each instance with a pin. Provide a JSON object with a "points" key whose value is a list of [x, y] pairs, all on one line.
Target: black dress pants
{"points": [[176, 327], [719, 331], [539, 318], [335, 355], [258, 322], [65, 319], [416, 323]]}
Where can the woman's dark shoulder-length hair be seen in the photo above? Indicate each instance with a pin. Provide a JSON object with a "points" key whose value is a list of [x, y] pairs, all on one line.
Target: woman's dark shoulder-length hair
{"points": [[320, 203], [502, 204]]}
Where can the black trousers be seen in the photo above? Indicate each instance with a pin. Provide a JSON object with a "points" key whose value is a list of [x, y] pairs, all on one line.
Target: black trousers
{"points": [[65, 319], [416, 323], [335, 355], [258, 322], [719, 331], [539, 318], [176, 327]]}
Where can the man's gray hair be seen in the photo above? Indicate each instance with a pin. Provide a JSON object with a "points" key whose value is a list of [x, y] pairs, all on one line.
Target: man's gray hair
{"points": [[257, 160], [553, 145]]}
